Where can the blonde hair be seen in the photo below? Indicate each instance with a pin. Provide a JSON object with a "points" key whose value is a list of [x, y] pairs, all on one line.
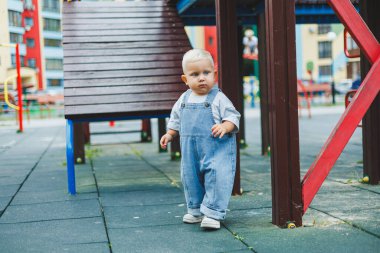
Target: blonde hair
{"points": [[196, 55]]}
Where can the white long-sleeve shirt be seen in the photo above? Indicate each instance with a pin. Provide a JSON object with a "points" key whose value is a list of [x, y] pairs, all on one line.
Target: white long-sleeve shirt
{"points": [[222, 110]]}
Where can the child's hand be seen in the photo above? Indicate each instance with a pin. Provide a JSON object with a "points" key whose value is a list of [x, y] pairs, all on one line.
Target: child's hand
{"points": [[165, 139], [218, 130]]}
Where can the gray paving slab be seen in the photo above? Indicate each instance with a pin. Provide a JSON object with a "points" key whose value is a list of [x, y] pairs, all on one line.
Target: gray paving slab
{"points": [[8, 190], [143, 216], [14, 172], [102, 162], [336, 186], [251, 200], [125, 173], [249, 218], [28, 197], [347, 201], [16, 161], [173, 238], [335, 239], [254, 227], [4, 201], [372, 188], [240, 251], [11, 180], [134, 185], [139, 198], [54, 236], [367, 220], [45, 184], [57, 180], [143, 203], [75, 248], [50, 211]]}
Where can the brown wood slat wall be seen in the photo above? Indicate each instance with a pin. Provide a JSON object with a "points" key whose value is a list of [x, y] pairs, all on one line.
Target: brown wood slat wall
{"points": [[122, 58]]}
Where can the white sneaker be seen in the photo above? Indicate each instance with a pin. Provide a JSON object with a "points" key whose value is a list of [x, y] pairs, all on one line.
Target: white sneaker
{"points": [[191, 219], [209, 223]]}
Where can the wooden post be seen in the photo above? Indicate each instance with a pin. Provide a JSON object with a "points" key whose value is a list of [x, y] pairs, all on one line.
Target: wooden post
{"points": [[146, 131], [86, 130], [264, 104], [79, 151], [161, 132], [228, 62], [371, 121], [242, 142], [283, 116], [175, 149]]}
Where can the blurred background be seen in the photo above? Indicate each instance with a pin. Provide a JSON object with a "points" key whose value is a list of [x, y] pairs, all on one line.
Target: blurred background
{"points": [[36, 26]]}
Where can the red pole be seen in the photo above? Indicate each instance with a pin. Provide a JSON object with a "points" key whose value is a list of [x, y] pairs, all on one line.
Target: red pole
{"points": [[19, 88]]}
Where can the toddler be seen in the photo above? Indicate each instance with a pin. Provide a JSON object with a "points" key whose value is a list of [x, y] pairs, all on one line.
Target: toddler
{"points": [[207, 123]]}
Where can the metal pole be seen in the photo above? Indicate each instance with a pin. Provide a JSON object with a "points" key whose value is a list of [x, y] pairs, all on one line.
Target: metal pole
{"points": [[332, 75], [70, 156], [19, 88]]}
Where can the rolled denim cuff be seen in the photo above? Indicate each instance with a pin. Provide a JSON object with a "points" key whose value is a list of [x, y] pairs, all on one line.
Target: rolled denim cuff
{"points": [[194, 212], [216, 215]]}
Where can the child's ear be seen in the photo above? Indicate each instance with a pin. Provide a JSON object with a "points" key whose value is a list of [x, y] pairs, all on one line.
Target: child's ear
{"points": [[215, 74], [184, 79]]}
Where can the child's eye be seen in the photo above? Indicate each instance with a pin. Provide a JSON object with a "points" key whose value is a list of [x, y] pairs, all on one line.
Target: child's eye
{"points": [[206, 73], [194, 74]]}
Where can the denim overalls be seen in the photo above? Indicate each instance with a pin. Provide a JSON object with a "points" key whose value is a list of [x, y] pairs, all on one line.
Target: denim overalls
{"points": [[208, 163]]}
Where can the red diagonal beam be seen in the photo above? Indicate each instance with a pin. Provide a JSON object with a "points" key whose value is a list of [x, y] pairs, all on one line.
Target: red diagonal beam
{"points": [[341, 135], [357, 28], [362, 100]]}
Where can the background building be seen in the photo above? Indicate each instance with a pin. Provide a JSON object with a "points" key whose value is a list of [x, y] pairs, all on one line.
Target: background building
{"points": [[320, 53], [36, 26], [52, 41], [319, 56]]}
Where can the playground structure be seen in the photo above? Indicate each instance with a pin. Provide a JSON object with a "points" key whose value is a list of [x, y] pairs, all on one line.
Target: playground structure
{"points": [[6, 95], [291, 197]]}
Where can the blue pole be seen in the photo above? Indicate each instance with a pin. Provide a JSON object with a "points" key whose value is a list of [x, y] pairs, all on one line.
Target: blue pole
{"points": [[252, 93], [70, 156]]}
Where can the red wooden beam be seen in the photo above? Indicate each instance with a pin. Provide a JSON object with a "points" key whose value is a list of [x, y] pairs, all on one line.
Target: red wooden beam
{"points": [[362, 100], [341, 134], [357, 28]]}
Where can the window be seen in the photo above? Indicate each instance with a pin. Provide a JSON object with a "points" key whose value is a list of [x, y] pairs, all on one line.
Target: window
{"points": [[32, 63], [54, 64], [351, 44], [210, 41], [30, 42], [55, 82], [14, 18], [50, 5], [323, 29], [52, 25], [29, 22], [13, 60], [324, 49], [28, 5], [52, 43], [15, 38], [325, 70]]}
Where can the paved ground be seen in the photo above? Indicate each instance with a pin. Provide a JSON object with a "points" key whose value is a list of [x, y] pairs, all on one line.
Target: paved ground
{"points": [[130, 198]]}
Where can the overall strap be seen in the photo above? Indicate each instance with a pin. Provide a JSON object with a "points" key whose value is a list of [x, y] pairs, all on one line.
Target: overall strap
{"points": [[212, 94], [186, 96]]}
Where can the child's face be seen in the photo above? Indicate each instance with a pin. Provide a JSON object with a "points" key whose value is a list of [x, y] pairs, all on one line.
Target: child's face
{"points": [[199, 76]]}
